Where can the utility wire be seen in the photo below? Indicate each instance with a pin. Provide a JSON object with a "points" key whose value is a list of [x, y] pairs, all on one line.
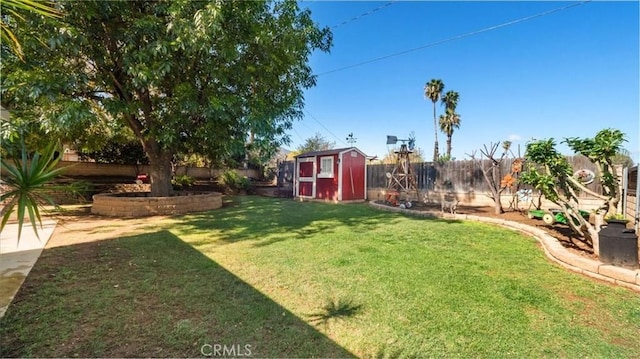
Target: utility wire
{"points": [[323, 126], [457, 37], [309, 127], [355, 18], [298, 133], [363, 15]]}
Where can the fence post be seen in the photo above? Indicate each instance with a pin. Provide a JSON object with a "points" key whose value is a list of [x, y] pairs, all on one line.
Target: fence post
{"points": [[636, 216], [625, 188]]}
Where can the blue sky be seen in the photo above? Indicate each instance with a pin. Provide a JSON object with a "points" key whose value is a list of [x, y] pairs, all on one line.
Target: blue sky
{"points": [[566, 74]]}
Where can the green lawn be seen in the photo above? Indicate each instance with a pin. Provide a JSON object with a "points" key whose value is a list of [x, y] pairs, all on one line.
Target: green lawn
{"points": [[293, 279]]}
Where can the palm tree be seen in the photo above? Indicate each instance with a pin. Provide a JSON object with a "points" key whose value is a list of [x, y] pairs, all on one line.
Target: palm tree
{"points": [[433, 91], [448, 122], [450, 100], [450, 119]]}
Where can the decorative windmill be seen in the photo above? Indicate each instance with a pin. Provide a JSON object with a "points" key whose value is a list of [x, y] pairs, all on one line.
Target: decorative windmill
{"points": [[402, 180]]}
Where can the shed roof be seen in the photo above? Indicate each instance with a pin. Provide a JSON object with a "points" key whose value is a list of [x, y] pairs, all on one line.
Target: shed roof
{"points": [[334, 151]]}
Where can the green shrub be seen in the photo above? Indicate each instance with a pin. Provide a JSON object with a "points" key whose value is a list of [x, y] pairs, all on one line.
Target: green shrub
{"points": [[617, 217], [182, 181], [232, 181]]}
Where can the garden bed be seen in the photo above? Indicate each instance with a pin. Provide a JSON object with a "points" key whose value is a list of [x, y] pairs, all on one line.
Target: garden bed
{"points": [[141, 204]]}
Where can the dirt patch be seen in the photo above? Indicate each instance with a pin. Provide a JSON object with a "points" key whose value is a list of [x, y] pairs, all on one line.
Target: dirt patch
{"points": [[78, 225]]}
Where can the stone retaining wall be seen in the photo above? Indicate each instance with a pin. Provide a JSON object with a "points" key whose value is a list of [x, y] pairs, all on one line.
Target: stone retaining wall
{"points": [[137, 204]]}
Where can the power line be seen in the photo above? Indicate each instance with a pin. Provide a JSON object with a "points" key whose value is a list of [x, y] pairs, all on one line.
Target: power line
{"points": [[363, 15], [457, 37], [298, 133], [323, 126]]}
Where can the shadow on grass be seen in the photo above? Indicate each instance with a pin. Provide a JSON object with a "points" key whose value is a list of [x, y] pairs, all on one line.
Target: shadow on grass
{"points": [[340, 309], [272, 220], [149, 295]]}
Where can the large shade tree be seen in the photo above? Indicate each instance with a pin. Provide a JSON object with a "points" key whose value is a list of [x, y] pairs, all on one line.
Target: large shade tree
{"points": [[181, 75], [433, 91]]}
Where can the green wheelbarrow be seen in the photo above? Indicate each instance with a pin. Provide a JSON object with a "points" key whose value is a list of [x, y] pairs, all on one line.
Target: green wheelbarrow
{"points": [[553, 215]]}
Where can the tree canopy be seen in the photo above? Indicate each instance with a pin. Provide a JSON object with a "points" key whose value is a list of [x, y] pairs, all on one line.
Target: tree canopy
{"points": [[183, 76], [12, 11], [315, 143], [550, 172], [415, 156]]}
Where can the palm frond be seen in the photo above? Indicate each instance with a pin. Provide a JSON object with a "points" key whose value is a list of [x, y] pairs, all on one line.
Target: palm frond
{"points": [[44, 8], [9, 38]]}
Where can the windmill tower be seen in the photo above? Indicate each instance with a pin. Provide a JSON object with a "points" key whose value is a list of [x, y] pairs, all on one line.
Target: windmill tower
{"points": [[402, 180]]}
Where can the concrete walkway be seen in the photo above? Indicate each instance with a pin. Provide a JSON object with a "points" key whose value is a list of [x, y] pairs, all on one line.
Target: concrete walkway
{"points": [[18, 257], [624, 277]]}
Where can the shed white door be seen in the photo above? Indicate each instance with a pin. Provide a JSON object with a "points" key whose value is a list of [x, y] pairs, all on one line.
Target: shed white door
{"points": [[306, 175]]}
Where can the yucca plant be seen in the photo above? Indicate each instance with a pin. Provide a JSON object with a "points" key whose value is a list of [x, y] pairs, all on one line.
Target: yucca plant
{"points": [[28, 181]]}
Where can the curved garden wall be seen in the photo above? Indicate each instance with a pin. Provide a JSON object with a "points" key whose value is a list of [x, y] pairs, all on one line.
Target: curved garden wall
{"points": [[140, 204]]}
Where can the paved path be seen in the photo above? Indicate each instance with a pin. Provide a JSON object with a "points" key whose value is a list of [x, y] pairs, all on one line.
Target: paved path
{"points": [[624, 277], [18, 257]]}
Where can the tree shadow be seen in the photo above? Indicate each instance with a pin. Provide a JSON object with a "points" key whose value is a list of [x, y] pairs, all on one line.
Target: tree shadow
{"points": [[148, 295], [569, 239], [338, 309], [270, 220]]}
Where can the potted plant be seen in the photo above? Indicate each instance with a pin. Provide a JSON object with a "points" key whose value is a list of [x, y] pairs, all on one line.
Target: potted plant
{"points": [[618, 245], [616, 218]]}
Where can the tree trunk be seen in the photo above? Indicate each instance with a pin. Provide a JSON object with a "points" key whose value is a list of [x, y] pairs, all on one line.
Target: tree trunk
{"points": [[495, 190], [436, 153], [449, 147], [497, 209], [613, 206], [159, 169], [594, 234]]}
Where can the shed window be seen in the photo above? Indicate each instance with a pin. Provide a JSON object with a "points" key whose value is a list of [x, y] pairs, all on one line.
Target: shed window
{"points": [[326, 167]]}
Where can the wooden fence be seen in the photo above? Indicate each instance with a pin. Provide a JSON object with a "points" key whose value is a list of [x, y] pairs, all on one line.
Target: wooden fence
{"points": [[461, 176], [285, 174], [129, 172], [630, 191]]}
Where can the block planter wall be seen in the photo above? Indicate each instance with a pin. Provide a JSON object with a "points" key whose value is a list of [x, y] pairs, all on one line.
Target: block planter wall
{"points": [[138, 204]]}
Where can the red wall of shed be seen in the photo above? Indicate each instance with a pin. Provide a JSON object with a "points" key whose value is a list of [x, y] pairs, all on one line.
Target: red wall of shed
{"points": [[353, 168], [327, 188]]}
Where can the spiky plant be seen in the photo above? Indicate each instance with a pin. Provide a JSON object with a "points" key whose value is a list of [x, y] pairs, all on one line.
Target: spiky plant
{"points": [[29, 179]]}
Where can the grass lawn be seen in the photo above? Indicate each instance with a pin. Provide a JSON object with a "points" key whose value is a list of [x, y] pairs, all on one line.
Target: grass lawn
{"points": [[278, 278]]}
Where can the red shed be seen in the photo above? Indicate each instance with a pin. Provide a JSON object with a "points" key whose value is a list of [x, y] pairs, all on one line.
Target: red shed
{"points": [[333, 175]]}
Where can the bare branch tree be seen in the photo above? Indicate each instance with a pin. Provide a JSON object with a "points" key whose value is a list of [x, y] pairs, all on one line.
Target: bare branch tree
{"points": [[489, 163]]}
